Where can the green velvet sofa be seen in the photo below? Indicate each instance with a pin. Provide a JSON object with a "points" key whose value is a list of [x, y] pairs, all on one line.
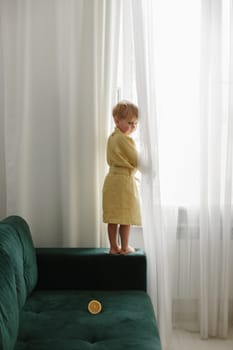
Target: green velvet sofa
{"points": [[44, 296]]}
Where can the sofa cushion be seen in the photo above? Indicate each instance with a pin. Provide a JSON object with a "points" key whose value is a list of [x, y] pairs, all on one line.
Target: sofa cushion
{"points": [[9, 312], [16, 242], [60, 320]]}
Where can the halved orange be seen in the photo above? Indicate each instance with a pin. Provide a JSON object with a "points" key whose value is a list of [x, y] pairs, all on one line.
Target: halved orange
{"points": [[94, 307]]}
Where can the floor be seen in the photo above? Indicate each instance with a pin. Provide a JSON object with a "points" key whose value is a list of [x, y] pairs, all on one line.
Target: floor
{"points": [[183, 340]]}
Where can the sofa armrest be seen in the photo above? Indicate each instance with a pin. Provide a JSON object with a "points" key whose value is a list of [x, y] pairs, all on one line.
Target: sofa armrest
{"points": [[90, 269]]}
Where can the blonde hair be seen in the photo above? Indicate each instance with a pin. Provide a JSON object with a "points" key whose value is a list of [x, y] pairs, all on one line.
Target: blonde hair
{"points": [[125, 108]]}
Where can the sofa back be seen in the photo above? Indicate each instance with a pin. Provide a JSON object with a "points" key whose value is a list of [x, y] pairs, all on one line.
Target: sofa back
{"points": [[18, 275], [90, 269], [9, 311]]}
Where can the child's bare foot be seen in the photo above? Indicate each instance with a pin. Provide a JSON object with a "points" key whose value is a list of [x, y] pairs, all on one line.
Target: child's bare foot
{"points": [[115, 250], [127, 251]]}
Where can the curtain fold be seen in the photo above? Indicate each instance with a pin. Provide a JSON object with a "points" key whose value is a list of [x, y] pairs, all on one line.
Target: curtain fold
{"points": [[153, 228], [58, 87]]}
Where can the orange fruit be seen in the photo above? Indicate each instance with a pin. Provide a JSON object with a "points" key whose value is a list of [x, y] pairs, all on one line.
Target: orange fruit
{"points": [[94, 307]]}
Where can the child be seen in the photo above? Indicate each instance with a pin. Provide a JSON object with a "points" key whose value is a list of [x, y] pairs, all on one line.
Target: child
{"points": [[120, 193]]}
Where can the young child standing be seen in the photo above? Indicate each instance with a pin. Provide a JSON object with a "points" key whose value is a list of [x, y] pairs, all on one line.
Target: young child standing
{"points": [[120, 194]]}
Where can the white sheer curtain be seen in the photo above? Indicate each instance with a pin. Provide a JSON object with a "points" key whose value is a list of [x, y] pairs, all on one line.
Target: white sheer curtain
{"points": [[199, 222], [183, 60], [58, 84], [153, 229], [216, 133]]}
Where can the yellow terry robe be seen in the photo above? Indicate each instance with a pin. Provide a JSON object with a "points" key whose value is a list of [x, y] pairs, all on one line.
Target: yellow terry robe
{"points": [[120, 192]]}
